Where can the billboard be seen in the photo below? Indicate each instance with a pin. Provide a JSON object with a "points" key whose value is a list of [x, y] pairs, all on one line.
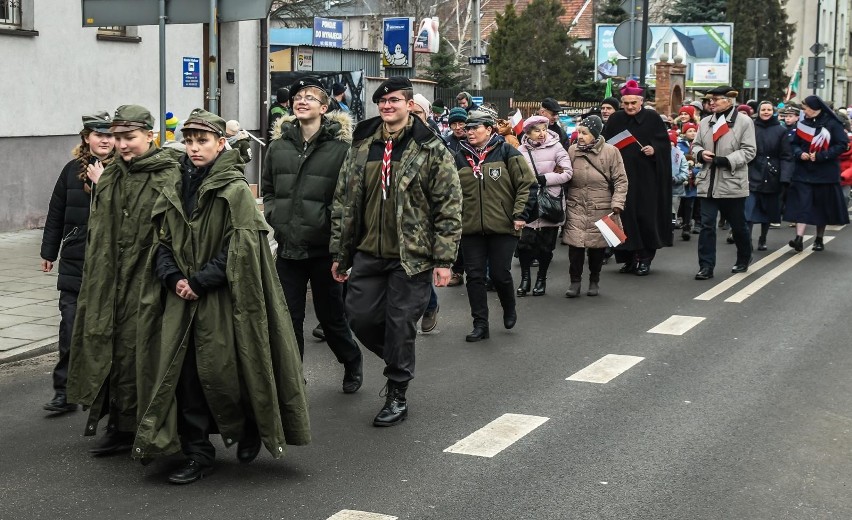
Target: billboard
{"points": [[398, 34], [705, 49], [428, 38], [328, 33]]}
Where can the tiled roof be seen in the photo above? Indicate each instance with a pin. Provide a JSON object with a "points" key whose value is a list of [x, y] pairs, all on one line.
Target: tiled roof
{"points": [[579, 10]]}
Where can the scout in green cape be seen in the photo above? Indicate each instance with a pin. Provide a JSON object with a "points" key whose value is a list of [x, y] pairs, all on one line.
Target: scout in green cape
{"points": [[218, 351], [102, 370]]}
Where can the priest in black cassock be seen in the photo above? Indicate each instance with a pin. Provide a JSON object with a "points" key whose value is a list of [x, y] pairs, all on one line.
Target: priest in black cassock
{"points": [[641, 136]]}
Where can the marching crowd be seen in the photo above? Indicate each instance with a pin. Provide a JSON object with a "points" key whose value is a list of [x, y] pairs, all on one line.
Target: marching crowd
{"points": [[177, 322]]}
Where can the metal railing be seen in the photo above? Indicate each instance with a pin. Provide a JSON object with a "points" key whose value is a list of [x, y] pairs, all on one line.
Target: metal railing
{"points": [[10, 13]]}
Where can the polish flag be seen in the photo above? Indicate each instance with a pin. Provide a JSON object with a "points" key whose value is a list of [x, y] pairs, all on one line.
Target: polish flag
{"points": [[720, 128], [622, 139], [803, 131], [517, 122], [612, 232]]}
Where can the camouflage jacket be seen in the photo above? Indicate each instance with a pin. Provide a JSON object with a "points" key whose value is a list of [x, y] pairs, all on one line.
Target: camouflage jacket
{"points": [[428, 205]]}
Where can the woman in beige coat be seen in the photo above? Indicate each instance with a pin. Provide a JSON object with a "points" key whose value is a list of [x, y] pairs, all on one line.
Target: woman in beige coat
{"points": [[598, 188]]}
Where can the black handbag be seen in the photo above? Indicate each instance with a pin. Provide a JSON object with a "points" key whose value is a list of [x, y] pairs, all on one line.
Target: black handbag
{"points": [[549, 207]]}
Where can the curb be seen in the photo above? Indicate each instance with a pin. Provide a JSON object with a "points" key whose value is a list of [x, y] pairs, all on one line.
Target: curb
{"points": [[31, 350]]}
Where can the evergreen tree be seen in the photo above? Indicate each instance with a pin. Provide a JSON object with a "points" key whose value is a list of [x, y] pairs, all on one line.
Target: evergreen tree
{"points": [[444, 68], [771, 38], [611, 12], [533, 54], [697, 11]]}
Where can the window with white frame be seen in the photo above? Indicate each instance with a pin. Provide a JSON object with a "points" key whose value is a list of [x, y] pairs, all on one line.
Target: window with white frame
{"points": [[10, 13]]}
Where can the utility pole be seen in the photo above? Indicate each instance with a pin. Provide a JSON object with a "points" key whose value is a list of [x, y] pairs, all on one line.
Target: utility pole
{"points": [[213, 59], [644, 61], [475, 49]]}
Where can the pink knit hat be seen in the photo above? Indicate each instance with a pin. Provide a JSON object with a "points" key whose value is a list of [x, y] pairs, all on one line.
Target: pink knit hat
{"points": [[631, 88], [535, 120]]}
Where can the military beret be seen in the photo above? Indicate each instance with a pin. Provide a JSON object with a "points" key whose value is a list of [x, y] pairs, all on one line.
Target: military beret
{"points": [[200, 119], [551, 104], [392, 84], [132, 117], [308, 81], [99, 122], [724, 90]]}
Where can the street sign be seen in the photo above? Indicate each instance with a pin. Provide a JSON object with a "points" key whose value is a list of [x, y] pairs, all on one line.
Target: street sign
{"points": [[477, 100], [191, 72], [632, 5], [621, 38], [817, 49], [757, 73], [104, 13], [816, 72], [479, 60]]}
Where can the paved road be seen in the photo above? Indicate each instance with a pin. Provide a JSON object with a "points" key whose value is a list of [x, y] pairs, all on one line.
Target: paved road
{"points": [[745, 415]]}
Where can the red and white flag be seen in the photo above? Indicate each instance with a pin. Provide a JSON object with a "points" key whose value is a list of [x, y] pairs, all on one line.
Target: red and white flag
{"points": [[818, 141], [622, 139], [720, 128], [612, 232], [517, 122]]}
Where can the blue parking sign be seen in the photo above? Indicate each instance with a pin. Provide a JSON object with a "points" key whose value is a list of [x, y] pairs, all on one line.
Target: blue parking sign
{"points": [[191, 72]]}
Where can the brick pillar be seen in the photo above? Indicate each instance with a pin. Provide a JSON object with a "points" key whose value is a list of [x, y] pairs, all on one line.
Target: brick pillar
{"points": [[663, 103]]}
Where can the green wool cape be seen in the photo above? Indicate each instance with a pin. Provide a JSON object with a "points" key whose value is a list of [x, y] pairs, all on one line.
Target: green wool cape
{"points": [[248, 359], [120, 238]]}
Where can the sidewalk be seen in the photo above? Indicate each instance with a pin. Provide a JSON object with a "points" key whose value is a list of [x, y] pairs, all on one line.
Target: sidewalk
{"points": [[29, 312]]}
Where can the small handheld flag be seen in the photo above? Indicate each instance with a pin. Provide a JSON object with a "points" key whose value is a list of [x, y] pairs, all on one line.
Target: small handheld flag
{"points": [[622, 139]]}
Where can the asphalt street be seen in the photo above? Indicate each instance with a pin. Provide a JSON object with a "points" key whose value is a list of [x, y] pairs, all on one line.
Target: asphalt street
{"points": [[744, 415]]}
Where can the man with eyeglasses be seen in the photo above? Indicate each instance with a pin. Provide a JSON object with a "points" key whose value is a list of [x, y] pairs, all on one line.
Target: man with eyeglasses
{"points": [[725, 144], [396, 223], [641, 137], [299, 178], [456, 118]]}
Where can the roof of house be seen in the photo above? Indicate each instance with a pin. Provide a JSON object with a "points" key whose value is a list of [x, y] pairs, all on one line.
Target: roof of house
{"points": [[699, 46]]}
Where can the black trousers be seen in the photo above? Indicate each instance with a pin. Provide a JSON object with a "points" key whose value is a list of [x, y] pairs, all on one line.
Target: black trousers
{"points": [[327, 295], [195, 421], [67, 312], [576, 258], [383, 305], [458, 265], [732, 210], [495, 251]]}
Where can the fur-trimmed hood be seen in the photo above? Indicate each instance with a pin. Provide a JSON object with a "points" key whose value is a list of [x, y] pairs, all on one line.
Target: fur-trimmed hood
{"points": [[337, 123]]}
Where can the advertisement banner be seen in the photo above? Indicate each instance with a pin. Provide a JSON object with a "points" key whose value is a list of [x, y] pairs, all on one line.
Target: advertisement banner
{"points": [[705, 49], [305, 59], [428, 38], [328, 33], [192, 72], [397, 34]]}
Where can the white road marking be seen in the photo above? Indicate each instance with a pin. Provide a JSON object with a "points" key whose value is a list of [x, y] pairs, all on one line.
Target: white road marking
{"points": [[835, 228], [605, 369], [761, 282], [497, 435], [753, 268], [677, 325], [348, 514]]}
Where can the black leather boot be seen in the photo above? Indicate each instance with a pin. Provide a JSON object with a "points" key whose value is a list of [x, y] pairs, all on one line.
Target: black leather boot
{"points": [[396, 407], [524, 288], [818, 244], [796, 243], [113, 442], [540, 284], [59, 405], [190, 472]]}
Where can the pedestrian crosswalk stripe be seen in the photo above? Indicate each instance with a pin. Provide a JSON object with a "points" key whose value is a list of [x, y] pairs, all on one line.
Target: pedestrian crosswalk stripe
{"points": [[835, 228], [497, 435], [753, 268], [348, 514], [677, 325], [605, 369], [764, 280]]}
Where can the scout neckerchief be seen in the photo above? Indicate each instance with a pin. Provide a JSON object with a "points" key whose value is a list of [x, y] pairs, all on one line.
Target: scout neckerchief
{"points": [[476, 158], [386, 159]]}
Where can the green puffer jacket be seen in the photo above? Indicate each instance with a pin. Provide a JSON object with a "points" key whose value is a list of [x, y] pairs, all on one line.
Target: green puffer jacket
{"points": [[245, 346], [121, 235], [298, 184], [428, 204], [492, 203]]}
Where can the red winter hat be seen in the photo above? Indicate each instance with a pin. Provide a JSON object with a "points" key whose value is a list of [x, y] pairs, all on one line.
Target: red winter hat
{"points": [[688, 126], [673, 136], [689, 110], [746, 110]]}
